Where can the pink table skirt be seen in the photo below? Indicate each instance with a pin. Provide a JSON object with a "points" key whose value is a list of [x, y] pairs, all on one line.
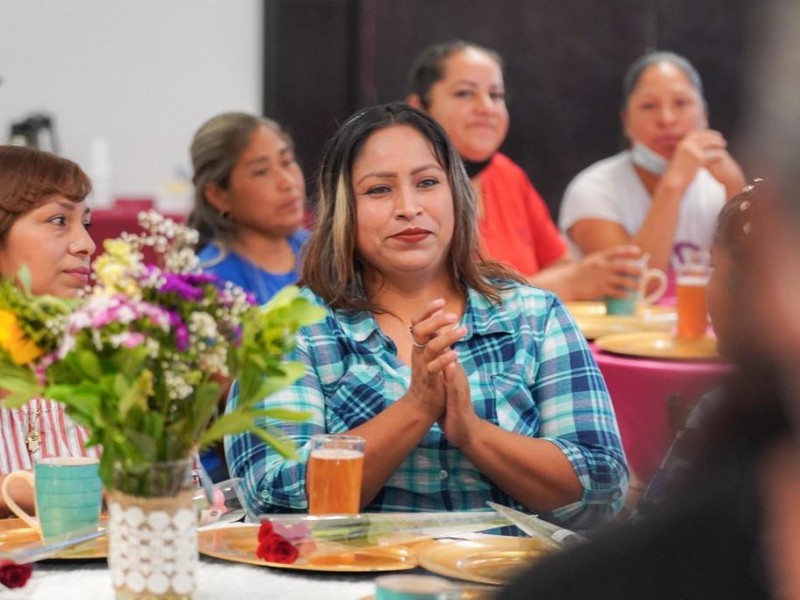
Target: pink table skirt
{"points": [[640, 392]]}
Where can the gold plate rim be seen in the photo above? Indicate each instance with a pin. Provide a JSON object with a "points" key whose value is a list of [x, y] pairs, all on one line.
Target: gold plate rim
{"points": [[593, 321], [636, 344], [207, 548], [445, 556], [95, 549], [595, 327]]}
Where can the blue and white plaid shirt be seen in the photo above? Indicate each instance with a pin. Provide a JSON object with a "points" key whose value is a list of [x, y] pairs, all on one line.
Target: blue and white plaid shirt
{"points": [[530, 371]]}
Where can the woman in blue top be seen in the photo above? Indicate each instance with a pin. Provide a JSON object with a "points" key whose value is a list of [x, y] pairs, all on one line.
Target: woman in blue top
{"points": [[467, 383], [249, 202]]}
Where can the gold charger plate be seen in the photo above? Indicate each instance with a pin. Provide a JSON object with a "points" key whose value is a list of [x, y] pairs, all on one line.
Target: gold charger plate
{"points": [[492, 559], [15, 533], [655, 344], [593, 321], [239, 544]]}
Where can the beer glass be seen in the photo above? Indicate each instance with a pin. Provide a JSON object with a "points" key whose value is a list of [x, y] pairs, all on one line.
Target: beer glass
{"points": [[692, 279], [334, 472]]}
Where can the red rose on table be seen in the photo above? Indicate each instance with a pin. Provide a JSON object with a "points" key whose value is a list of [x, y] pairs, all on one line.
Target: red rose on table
{"points": [[276, 549], [13, 575], [265, 530]]}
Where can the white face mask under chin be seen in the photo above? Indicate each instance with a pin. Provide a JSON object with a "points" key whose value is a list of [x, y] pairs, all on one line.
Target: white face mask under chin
{"points": [[648, 160]]}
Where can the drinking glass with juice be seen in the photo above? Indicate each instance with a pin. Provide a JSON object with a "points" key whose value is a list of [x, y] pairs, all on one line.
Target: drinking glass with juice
{"points": [[334, 473], [691, 281]]}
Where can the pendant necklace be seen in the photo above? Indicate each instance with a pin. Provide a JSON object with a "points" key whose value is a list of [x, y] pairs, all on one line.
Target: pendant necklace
{"points": [[33, 438]]}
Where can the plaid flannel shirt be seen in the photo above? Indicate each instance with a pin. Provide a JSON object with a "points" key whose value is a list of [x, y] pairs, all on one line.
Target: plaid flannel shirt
{"points": [[530, 372]]}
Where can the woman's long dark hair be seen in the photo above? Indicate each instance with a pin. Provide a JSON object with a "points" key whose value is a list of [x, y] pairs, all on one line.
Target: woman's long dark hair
{"points": [[331, 265]]}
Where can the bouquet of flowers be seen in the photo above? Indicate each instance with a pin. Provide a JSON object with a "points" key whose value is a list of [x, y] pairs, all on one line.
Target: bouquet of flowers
{"points": [[144, 356]]}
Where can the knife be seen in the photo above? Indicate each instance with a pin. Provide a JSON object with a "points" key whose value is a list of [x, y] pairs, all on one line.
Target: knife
{"points": [[539, 528], [41, 549]]}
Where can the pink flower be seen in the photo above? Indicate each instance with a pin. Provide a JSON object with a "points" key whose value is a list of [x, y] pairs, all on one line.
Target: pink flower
{"points": [[130, 339]]}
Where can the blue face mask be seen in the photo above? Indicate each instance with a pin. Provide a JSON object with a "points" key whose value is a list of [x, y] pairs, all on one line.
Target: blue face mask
{"points": [[648, 160]]}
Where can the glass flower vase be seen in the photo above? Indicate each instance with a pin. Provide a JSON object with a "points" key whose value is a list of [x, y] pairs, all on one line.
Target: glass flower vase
{"points": [[153, 533]]}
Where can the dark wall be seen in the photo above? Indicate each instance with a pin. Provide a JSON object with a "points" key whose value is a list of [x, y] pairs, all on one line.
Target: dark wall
{"points": [[564, 66]]}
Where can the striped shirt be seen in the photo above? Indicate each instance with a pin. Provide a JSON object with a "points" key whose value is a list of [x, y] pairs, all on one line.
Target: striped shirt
{"points": [[530, 372], [58, 435]]}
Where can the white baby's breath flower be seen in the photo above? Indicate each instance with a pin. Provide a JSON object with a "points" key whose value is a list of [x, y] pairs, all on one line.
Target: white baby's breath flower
{"points": [[152, 347], [202, 325], [177, 388], [215, 360]]}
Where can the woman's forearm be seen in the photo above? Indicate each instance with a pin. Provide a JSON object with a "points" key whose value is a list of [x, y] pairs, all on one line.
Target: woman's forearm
{"points": [[390, 437], [535, 472], [657, 233]]}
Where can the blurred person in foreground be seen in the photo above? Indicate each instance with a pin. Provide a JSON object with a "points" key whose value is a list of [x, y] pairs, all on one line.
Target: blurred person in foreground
{"points": [[461, 86], [467, 383], [732, 527], [44, 221], [732, 247]]}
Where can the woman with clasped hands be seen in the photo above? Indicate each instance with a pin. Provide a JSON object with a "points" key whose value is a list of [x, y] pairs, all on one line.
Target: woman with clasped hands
{"points": [[461, 86], [467, 383], [664, 193]]}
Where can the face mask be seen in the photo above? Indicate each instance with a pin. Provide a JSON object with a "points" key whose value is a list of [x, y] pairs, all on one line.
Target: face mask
{"points": [[648, 160]]}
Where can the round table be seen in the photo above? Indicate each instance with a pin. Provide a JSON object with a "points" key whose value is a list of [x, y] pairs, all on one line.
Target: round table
{"points": [[651, 398]]}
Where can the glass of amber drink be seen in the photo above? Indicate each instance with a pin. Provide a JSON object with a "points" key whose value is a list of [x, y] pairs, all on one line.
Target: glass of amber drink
{"points": [[334, 472], [692, 279]]}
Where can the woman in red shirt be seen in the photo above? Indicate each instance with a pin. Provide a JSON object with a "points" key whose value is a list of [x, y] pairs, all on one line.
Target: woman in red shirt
{"points": [[461, 86]]}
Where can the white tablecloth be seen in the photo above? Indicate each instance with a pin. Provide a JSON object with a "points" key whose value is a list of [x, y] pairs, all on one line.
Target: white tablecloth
{"points": [[217, 580]]}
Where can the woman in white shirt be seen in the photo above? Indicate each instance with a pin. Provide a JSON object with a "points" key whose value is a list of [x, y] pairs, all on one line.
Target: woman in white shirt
{"points": [[663, 193]]}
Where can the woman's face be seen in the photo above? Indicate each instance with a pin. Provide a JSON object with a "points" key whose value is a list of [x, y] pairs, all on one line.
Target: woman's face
{"points": [[469, 102], [662, 108], [52, 241], [404, 204], [266, 192]]}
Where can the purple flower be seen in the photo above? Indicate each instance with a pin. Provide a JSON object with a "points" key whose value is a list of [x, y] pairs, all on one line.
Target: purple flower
{"points": [[202, 279], [188, 287], [181, 331]]}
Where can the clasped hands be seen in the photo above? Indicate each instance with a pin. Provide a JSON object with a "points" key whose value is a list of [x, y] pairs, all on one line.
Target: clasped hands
{"points": [[703, 148], [439, 384]]}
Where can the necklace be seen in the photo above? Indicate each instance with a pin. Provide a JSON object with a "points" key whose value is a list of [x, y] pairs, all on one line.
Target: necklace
{"points": [[33, 438]]}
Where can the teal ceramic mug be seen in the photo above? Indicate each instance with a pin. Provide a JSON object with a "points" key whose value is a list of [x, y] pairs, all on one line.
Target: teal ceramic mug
{"points": [[628, 306], [68, 495]]}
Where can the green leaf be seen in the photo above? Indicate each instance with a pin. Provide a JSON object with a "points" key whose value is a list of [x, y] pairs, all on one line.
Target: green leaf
{"points": [[144, 444], [134, 395], [89, 364], [273, 438], [19, 381], [229, 424], [281, 414]]}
